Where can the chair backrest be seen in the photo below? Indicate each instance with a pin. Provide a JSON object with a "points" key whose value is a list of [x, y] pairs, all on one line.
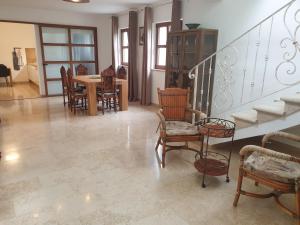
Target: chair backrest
{"points": [[173, 102], [71, 85], [4, 71], [110, 71], [108, 77], [81, 70], [122, 73], [64, 79]]}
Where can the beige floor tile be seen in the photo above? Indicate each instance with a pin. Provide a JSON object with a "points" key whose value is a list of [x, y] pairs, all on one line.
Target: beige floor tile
{"points": [[61, 169]]}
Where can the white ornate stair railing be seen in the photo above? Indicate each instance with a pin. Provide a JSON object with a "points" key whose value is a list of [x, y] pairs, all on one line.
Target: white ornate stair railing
{"points": [[257, 64]]}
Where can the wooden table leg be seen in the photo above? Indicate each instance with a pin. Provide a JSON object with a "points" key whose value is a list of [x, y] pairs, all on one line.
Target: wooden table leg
{"points": [[92, 99], [123, 101]]}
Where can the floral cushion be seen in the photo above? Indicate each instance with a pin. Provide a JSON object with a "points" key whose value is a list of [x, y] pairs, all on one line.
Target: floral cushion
{"points": [[174, 128], [273, 168]]}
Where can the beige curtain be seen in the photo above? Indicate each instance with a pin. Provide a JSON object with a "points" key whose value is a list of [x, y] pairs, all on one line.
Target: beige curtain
{"points": [[115, 42], [146, 69], [176, 16], [132, 64]]}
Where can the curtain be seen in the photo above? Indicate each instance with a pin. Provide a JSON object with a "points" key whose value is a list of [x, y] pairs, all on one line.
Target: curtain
{"points": [[132, 64], [176, 16], [115, 42], [146, 69]]}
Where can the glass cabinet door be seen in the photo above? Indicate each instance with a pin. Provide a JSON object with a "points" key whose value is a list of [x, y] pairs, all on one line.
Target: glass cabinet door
{"points": [[175, 52], [209, 44], [190, 42], [191, 48], [174, 80]]}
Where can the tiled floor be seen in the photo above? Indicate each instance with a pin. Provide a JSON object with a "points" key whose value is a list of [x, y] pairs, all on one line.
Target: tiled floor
{"points": [[60, 169], [19, 91]]}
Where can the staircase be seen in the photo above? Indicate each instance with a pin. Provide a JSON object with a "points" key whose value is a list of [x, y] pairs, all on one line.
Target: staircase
{"points": [[265, 118], [255, 79]]}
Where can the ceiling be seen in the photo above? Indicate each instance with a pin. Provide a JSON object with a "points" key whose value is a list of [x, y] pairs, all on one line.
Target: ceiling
{"points": [[95, 6]]}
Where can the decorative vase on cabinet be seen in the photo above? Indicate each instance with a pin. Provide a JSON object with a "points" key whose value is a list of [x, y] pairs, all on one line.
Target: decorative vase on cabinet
{"points": [[185, 49]]}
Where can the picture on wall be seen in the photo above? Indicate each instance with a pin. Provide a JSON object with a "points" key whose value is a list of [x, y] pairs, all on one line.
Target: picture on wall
{"points": [[141, 35]]}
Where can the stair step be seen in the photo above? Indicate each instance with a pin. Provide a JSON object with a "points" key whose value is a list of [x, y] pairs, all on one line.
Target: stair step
{"points": [[294, 99], [248, 116], [276, 109]]}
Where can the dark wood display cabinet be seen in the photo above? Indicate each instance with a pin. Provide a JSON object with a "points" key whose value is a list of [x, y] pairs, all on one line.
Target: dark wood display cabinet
{"points": [[185, 49]]}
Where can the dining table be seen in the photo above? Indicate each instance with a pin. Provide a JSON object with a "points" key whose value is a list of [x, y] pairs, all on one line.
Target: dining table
{"points": [[92, 81]]}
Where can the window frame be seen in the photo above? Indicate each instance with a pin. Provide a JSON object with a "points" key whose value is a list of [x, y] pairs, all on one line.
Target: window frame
{"points": [[124, 30], [157, 46], [70, 45]]}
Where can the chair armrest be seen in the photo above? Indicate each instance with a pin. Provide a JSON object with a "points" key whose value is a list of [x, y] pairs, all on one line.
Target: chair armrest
{"points": [[197, 112], [162, 119], [248, 149], [288, 136]]}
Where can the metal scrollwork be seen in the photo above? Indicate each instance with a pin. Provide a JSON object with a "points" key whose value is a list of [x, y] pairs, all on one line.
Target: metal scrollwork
{"points": [[287, 66], [243, 71], [226, 64]]}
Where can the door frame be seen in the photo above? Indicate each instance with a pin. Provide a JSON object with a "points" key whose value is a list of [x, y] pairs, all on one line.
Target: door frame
{"points": [[69, 45]]}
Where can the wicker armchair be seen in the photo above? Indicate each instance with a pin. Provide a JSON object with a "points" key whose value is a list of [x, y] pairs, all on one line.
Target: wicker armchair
{"points": [[175, 121], [276, 170]]}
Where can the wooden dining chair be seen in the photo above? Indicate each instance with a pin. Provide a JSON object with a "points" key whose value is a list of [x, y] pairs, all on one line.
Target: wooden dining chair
{"points": [[107, 93], [64, 83], [175, 121], [77, 96], [81, 70], [5, 73], [276, 170], [122, 73]]}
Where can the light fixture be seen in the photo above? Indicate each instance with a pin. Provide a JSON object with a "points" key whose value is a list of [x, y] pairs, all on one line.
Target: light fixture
{"points": [[77, 1]]}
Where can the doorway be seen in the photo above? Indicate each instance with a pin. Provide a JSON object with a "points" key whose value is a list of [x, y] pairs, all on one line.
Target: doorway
{"points": [[18, 49], [50, 47]]}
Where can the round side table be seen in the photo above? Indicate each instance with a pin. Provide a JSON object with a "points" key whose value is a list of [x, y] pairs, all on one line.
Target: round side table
{"points": [[214, 163]]}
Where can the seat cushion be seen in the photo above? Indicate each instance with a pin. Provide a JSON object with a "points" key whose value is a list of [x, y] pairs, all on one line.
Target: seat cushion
{"points": [[176, 128], [272, 168]]}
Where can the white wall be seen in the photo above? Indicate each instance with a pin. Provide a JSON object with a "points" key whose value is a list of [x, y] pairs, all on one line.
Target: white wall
{"points": [[102, 22], [16, 35], [124, 20], [230, 17], [232, 22], [161, 13]]}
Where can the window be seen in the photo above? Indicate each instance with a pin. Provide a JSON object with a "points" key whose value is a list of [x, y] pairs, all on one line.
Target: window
{"points": [[124, 46], [162, 30]]}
